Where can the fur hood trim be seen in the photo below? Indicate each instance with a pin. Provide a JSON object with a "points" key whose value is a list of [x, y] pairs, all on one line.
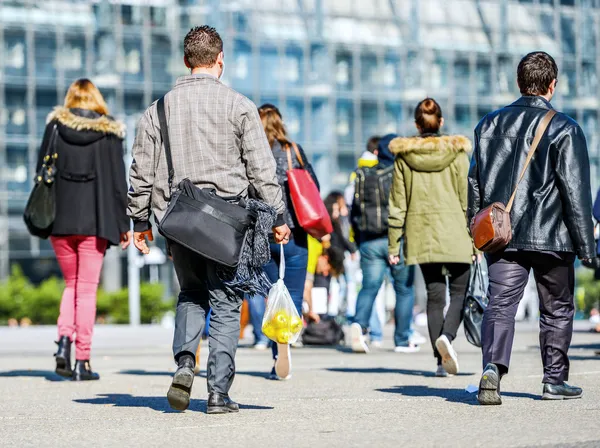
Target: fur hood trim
{"points": [[446, 143], [102, 124]]}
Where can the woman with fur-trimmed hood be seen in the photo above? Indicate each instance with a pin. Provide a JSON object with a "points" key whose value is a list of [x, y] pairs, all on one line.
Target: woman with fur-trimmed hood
{"points": [[91, 212], [428, 204]]}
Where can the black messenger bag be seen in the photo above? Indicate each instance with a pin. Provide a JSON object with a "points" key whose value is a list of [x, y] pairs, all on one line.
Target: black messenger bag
{"points": [[199, 219]]}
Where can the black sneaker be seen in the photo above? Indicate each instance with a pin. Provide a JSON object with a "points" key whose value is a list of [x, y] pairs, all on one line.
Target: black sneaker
{"points": [[181, 387], [489, 386], [221, 404], [561, 392]]}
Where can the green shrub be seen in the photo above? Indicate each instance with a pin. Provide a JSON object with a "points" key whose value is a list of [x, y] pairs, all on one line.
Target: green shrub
{"points": [[19, 299], [590, 288]]}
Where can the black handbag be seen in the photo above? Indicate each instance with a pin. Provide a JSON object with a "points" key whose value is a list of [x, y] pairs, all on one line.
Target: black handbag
{"points": [[325, 332], [476, 302], [200, 220], [40, 210]]}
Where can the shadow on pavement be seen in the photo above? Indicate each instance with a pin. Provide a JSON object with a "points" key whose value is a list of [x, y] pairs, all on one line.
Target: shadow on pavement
{"points": [[595, 346], [425, 373], [595, 357], [202, 373], [451, 395], [47, 374], [159, 404]]}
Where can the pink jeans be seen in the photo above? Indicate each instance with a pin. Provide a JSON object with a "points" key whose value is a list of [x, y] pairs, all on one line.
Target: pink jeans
{"points": [[80, 259]]}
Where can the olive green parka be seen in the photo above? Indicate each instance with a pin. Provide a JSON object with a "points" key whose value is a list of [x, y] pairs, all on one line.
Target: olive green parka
{"points": [[428, 200]]}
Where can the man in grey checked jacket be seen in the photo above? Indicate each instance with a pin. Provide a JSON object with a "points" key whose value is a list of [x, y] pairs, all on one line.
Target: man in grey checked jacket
{"points": [[217, 141]]}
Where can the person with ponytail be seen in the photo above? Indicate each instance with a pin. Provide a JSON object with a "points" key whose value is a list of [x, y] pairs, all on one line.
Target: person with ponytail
{"points": [[296, 251], [428, 204]]}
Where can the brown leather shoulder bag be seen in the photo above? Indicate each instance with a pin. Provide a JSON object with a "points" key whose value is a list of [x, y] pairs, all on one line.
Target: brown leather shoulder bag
{"points": [[491, 228]]}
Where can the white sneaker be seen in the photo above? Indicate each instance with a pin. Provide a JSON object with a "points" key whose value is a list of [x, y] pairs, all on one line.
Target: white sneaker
{"points": [[376, 344], [410, 348], [358, 342], [441, 372], [417, 338], [448, 354], [260, 346], [283, 364]]}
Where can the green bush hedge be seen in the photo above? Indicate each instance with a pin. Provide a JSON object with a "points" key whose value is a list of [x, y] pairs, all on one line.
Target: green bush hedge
{"points": [[590, 289], [19, 299]]}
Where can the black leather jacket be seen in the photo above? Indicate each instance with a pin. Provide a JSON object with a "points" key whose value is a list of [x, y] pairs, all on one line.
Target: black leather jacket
{"points": [[553, 206]]}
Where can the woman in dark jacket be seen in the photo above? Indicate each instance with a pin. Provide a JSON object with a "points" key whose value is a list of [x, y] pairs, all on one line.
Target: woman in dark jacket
{"points": [[296, 251], [91, 212]]}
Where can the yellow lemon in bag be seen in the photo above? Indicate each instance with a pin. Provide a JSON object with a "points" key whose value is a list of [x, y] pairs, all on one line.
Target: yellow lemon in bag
{"points": [[283, 337], [269, 331], [281, 319], [296, 324]]}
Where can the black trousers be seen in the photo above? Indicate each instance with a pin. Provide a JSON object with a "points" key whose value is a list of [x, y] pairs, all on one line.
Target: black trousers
{"points": [[555, 278], [201, 291], [435, 279]]}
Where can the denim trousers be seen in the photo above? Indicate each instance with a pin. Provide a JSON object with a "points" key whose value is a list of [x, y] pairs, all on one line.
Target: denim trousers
{"points": [[374, 264], [296, 260]]}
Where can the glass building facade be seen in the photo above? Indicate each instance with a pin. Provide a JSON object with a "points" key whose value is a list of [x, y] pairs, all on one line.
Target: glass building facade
{"points": [[340, 70]]}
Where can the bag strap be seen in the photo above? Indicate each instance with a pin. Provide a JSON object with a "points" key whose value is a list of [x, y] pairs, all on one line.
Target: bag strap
{"points": [[281, 263], [539, 133], [164, 132], [289, 156], [51, 154]]}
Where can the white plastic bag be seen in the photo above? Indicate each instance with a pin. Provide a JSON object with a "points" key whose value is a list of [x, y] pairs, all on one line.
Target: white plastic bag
{"points": [[281, 322]]}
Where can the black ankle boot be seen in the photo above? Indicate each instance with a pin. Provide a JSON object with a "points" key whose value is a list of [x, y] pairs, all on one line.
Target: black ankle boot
{"points": [[63, 357], [83, 371], [181, 387]]}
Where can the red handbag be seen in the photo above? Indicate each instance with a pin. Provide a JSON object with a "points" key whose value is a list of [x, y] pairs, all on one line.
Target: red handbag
{"points": [[310, 210]]}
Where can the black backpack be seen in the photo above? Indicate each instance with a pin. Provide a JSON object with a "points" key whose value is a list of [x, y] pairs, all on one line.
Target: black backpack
{"points": [[325, 332], [370, 208]]}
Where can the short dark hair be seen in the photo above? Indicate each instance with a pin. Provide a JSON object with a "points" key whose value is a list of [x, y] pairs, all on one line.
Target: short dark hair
{"points": [[373, 144], [202, 46], [536, 72]]}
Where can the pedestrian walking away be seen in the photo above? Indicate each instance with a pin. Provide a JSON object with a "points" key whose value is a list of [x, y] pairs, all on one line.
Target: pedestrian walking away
{"points": [[551, 221], [428, 205], [85, 145], [296, 251], [369, 215], [217, 142]]}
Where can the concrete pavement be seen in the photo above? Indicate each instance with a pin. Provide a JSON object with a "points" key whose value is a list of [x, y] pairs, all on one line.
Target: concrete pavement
{"points": [[335, 398]]}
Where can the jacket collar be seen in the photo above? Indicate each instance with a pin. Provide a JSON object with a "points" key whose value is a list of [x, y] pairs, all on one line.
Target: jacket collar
{"points": [[84, 120], [188, 79], [532, 101]]}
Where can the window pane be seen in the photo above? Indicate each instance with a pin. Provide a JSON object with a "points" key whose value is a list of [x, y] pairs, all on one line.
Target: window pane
{"points": [[589, 80], [161, 58], [462, 77], [19, 176], [269, 69], [370, 74], [393, 118], [293, 117], [369, 118], [344, 70], [293, 67], [391, 72], [72, 56], [321, 125], [567, 82], [243, 66], [131, 65], [567, 29], [320, 71], [15, 53], [45, 50], [16, 111], [345, 122]]}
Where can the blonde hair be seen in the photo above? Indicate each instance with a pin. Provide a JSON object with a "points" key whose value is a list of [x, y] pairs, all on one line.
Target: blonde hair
{"points": [[273, 124], [83, 94]]}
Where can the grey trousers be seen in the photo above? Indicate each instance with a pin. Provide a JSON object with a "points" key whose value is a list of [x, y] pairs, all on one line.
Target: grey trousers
{"points": [[201, 291], [555, 279]]}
